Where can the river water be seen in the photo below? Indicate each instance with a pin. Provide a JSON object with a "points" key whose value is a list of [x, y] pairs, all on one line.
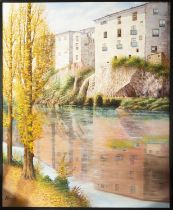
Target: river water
{"points": [[111, 152]]}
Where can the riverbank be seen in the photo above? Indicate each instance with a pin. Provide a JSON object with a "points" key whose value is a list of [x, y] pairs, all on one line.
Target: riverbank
{"points": [[126, 103], [36, 193], [97, 198]]}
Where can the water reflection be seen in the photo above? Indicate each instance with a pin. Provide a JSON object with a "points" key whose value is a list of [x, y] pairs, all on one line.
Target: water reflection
{"points": [[121, 153]]}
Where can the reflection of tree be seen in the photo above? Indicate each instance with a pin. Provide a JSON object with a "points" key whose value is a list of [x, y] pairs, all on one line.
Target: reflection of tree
{"points": [[53, 113]]}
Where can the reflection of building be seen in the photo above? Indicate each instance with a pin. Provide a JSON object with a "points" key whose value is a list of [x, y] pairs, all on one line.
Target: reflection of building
{"points": [[132, 172], [140, 172], [157, 149]]}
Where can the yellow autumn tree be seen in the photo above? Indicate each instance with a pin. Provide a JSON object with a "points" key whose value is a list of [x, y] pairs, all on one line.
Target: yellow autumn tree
{"points": [[35, 47], [9, 68]]}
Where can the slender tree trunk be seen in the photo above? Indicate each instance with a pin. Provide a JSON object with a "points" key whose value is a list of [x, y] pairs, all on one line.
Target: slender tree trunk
{"points": [[28, 168], [9, 130], [9, 135]]}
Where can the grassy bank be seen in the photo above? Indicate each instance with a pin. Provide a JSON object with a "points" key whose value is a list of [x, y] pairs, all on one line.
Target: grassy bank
{"points": [[142, 103], [141, 64], [41, 192], [151, 104]]}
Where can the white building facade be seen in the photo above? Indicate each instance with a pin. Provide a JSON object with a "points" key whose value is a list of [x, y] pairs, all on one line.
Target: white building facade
{"points": [[75, 47], [138, 31]]}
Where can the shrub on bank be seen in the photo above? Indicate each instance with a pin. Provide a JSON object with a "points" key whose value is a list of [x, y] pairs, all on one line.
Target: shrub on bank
{"points": [[153, 104], [61, 184], [98, 100], [89, 102], [139, 63]]}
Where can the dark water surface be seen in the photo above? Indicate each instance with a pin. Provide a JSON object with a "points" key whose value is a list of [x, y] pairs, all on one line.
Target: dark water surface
{"points": [[122, 153]]}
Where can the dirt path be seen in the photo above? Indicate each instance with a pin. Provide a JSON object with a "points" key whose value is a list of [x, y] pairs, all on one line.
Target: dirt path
{"points": [[20, 192]]}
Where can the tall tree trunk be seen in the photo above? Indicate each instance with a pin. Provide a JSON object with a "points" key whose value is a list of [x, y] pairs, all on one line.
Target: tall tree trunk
{"points": [[28, 169], [9, 130], [9, 135]]}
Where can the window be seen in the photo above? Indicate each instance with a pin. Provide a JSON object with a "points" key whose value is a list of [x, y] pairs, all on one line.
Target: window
{"points": [[77, 46], [131, 174], [133, 42], [155, 32], [103, 22], [119, 20], [115, 57], [134, 16], [76, 57], [137, 50], [119, 157], [102, 185], [119, 45], [153, 48], [133, 30], [132, 189], [104, 47], [140, 37], [118, 32], [130, 56], [162, 23], [155, 11], [116, 187], [105, 34]]}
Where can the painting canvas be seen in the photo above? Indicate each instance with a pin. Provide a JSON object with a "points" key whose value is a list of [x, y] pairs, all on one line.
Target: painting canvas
{"points": [[86, 104]]}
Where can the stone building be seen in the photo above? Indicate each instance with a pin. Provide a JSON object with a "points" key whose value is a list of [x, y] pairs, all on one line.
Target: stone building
{"points": [[75, 48], [139, 31]]}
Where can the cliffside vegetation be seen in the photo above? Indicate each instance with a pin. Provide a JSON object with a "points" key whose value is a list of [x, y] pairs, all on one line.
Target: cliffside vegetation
{"points": [[66, 91], [139, 63]]}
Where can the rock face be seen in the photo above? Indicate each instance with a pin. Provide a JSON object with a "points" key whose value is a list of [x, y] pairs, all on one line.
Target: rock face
{"points": [[145, 84], [127, 82]]}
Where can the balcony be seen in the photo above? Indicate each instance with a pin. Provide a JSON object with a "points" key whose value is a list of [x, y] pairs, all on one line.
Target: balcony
{"points": [[104, 49], [133, 32], [119, 46], [134, 44]]}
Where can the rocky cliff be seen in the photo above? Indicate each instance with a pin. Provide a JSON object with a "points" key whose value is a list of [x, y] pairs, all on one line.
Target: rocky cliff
{"points": [[128, 82]]}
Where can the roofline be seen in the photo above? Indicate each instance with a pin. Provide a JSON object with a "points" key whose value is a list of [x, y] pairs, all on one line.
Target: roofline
{"points": [[65, 32], [121, 11]]}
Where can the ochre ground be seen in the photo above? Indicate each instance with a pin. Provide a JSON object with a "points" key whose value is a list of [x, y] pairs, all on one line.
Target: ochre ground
{"points": [[23, 193]]}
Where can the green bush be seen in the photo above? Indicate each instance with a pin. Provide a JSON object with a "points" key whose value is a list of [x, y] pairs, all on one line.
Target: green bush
{"points": [[119, 62], [153, 104], [83, 72], [61, 183], [98, 100], [80, 100], [140, 63], [89, 102], [106, 101], [68, 84], [47, 179], [115, 102], [76, 192]]}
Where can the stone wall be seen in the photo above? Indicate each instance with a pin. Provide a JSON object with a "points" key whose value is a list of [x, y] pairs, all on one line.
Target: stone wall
{"points": [[127, 82]]}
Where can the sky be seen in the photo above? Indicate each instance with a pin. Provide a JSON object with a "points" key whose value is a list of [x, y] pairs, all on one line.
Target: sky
{"points": [[75, 16]]}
